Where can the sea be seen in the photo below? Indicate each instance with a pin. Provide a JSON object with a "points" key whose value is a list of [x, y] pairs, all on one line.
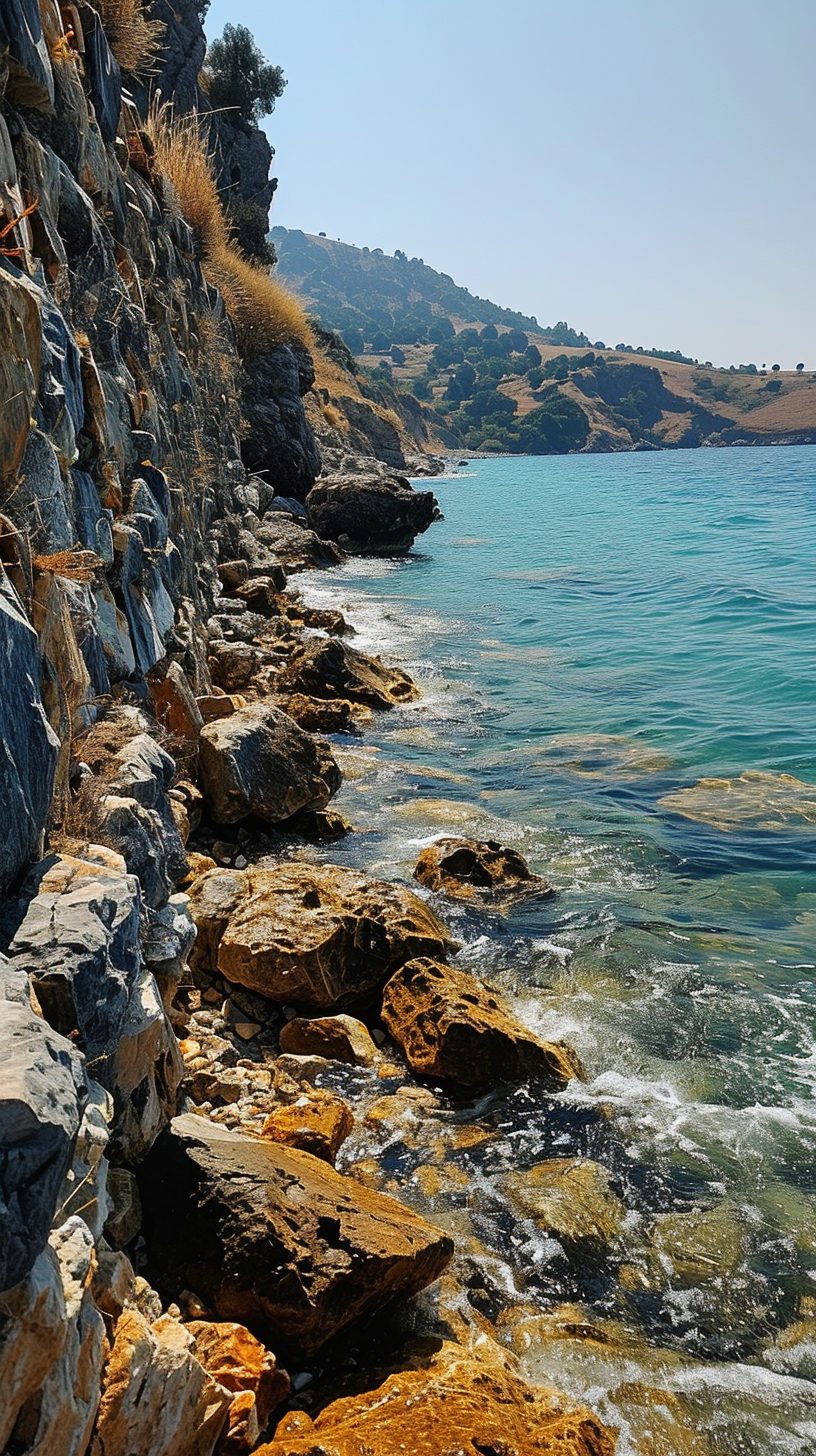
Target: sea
{"points": [[617, 656]]}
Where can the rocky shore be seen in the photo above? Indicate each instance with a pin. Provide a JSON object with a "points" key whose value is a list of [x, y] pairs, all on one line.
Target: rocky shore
{"points": [[183, 1269]]}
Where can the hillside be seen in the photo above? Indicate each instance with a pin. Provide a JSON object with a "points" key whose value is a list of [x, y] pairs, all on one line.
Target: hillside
{"points": [[497, 380]]}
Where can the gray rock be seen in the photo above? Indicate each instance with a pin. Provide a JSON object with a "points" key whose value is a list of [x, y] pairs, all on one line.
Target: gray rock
{"points": [[28, 746], [41, 501], [279, 440], [382, 437], [258, 761], [42, 1095], [371, 516]]}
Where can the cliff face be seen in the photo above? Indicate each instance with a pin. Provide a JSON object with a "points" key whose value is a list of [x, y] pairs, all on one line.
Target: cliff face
{"points": [[156, 682]]}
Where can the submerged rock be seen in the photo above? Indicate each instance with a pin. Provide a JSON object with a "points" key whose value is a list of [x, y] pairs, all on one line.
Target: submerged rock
{"points": [[572, 1201], [258, 761], [449, 1403], [371, 516], [755, 800], [463, 867], [275, 1238], [452, 1028], [331, 669], [317, 934]]}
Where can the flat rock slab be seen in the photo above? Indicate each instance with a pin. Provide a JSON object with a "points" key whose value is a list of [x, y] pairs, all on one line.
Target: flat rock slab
{"points": [[317, 934], [276, 1239], [466, 868], [454, 1405], [327, 668], [453, 1028], [258, 761]]}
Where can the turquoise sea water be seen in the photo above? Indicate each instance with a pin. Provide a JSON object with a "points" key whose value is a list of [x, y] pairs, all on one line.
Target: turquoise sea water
{"points": [[618, 661]]}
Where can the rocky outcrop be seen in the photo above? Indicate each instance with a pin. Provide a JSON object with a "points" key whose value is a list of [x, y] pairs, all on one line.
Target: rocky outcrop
{"points": [[258, 761], [378, 517], [78, 942], [219, 1219], [316, 934], [465, 867], [279, 442], [42, 1094], [327, 668], [451, 1403], [28, 745], [452, 1028], [250, 1372]]}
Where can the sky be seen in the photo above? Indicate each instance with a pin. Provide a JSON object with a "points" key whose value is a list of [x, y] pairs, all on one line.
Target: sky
{"points": [[643, 169]]}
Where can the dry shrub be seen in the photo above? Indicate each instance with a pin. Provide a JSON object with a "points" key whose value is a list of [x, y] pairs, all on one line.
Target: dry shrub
{"points": [[134, 39], [263, 312], [334, 417], [76, 564]]}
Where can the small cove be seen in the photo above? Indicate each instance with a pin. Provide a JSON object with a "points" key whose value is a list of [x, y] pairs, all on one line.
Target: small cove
{"points": [[618, 659]]}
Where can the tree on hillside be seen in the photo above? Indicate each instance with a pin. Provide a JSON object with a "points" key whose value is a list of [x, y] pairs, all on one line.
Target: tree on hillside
{"points": [[489, 332], [799, 368], [533, 356], [241, 79], [775, 368]]}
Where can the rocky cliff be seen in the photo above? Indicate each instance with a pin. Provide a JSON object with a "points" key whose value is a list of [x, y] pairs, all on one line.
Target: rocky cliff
{"points": [[172, 1227]]}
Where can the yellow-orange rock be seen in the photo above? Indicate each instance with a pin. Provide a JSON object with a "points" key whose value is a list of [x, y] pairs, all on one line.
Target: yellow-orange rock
{"points": [[326, 668], [466, 867], [243, 1366], [319, 1123], [315, 933], [455, 1407], [453, 1028], [339, 1038], [158, 1400]]}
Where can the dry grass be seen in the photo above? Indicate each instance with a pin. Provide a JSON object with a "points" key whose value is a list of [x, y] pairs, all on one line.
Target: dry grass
{"points": [[76, 564], [134, 39], [263, 313], [334, 417]]}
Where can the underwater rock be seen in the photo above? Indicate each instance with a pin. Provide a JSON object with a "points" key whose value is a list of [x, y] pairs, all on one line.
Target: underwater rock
{"points": [[332, 669], [463, 867], [275, 1238], [258, 761], [572, 1201], [755, 800], [449, 1402], [318, 934], [453, 1028]]}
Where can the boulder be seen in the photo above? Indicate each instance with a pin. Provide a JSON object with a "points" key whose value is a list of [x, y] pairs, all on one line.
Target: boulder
{"points": [[338, 1038], [326, 668], [257, 761], [28, 746], [572, 1201], [448, 1403], [157, 1400], [377, 517], [275, 1238], [42, 1096], [317, 934], [78, 941], [52, 1349], [465, 867], [317, 1122], [454, 1029], [282, 542], [244, 1367]]}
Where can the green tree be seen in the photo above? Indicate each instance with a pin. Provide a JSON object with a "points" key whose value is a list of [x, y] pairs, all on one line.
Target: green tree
{"points": [[533, 356], [241, 79]]}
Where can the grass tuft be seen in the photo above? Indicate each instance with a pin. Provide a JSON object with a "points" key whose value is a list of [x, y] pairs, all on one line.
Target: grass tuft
{"points": [[134, 39], [264, 314]]}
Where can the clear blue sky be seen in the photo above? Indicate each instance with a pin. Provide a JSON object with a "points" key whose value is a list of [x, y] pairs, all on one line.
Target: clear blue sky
{"points": [[641, 168]]}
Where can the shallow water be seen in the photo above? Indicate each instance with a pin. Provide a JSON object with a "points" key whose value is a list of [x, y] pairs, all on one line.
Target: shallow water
{"points": [[618, 658]]}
